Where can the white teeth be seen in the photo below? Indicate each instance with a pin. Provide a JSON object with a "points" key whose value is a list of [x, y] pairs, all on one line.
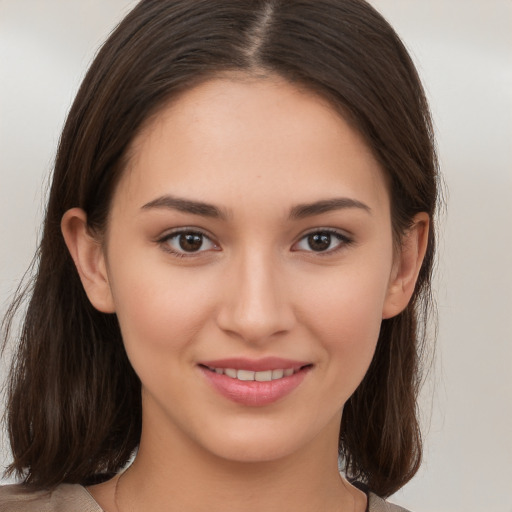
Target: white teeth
{"points": [[245, 375], [277, 374], [263, 376], [248, 375]]}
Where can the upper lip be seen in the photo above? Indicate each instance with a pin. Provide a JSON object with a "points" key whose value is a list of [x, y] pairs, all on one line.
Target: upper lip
{"points": [[255, 365]]}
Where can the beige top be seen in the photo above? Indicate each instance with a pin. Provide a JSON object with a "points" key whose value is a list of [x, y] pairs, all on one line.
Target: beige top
{"points": [[75, 498]]}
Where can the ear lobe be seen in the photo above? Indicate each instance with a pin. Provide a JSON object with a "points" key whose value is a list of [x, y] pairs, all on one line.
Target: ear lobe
{"points": [[407, 267], [87, 253]]}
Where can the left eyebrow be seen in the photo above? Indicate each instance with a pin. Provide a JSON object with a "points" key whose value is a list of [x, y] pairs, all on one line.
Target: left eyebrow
{"points": [[326, 205], [186, 205]]}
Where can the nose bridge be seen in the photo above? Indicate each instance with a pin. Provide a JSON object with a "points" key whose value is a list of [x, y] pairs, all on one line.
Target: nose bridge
{"points": [[256, 306]]}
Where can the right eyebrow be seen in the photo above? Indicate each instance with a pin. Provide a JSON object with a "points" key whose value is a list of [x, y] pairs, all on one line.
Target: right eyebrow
{"points": [[326, 205], [187, 206]]}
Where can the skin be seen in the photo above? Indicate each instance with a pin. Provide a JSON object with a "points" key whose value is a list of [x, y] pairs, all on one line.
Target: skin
{"points": [[255, 149]]}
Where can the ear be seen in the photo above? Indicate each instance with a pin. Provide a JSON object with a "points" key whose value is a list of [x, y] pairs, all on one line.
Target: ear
{"points": [[88, 255], [407, 266]]}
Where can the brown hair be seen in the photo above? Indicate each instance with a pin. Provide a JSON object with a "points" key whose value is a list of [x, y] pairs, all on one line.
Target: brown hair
{"points": [[74, 404]]}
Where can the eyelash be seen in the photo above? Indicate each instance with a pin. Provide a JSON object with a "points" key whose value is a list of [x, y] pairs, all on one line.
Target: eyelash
{"points": [[343, 240], [164, 242]]}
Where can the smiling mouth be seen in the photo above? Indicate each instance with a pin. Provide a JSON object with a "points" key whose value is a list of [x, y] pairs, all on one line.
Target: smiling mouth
{"points": [[255, 383], [260, 376]]}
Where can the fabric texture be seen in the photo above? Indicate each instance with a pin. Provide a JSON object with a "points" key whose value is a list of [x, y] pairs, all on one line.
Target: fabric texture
{"points": [[75, 498], [65, 498]]}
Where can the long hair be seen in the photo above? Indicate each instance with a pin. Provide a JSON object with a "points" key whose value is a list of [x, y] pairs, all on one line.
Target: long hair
{"points": [[74, 402]]}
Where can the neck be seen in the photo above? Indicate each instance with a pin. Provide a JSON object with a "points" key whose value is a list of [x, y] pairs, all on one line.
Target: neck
{"points": [[177, 475]]}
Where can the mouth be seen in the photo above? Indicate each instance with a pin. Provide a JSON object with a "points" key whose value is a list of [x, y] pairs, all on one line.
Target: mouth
{"points": [[255, 383], [258, 376]]}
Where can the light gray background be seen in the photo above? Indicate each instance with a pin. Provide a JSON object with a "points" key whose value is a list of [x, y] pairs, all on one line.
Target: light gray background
{"points": [[463, 49]]}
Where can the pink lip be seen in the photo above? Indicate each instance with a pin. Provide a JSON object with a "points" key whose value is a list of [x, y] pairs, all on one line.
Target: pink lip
{"points": [[254, 393], [255, 365]]}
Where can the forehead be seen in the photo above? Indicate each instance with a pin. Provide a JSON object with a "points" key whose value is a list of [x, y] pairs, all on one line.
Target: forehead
{"points": [[242, 137]]}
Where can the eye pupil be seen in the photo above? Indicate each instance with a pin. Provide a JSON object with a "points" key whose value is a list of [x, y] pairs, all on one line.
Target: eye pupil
{"points": [[191, 242], [319, 241]]}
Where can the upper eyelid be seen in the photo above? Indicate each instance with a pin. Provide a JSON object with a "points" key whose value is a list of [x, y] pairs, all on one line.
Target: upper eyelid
{"points": [[187, 229], [335, 231]]}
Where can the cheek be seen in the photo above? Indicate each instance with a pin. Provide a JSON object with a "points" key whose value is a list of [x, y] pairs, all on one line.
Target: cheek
{"points": [[159, 309], [350, 301], [346, 317]]}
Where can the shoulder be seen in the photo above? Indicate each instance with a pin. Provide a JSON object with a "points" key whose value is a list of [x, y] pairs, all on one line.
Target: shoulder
{"points": [[376, 504], [65, 497]]}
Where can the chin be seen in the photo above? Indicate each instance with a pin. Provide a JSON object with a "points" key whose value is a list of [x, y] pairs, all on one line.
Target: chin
{"points": [[263, 451], [260, 444]]}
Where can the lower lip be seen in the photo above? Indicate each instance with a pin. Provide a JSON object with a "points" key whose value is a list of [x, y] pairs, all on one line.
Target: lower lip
{"points": [[254, 393]]}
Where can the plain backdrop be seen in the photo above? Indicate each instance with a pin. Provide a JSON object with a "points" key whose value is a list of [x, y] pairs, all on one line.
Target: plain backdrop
{"points": [[463, 50]]}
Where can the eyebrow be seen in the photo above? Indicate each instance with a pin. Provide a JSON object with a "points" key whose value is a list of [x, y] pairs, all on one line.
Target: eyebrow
{"points": [[300, 211], [187, 206], [327, 205]]}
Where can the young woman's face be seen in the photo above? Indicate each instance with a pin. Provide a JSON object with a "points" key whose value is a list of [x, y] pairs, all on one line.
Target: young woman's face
{"points": [[250, 238]]}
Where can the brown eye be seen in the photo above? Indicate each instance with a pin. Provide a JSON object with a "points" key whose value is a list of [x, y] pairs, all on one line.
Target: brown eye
{"points": [[185, 243], [319, 241], [191, 242], [322, 241]]}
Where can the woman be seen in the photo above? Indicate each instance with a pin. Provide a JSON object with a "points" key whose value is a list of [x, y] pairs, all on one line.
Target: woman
{"points": [[234, 270]]}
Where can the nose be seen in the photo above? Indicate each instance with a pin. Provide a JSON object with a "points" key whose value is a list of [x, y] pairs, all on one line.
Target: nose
{"points": [[256, 306]]}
